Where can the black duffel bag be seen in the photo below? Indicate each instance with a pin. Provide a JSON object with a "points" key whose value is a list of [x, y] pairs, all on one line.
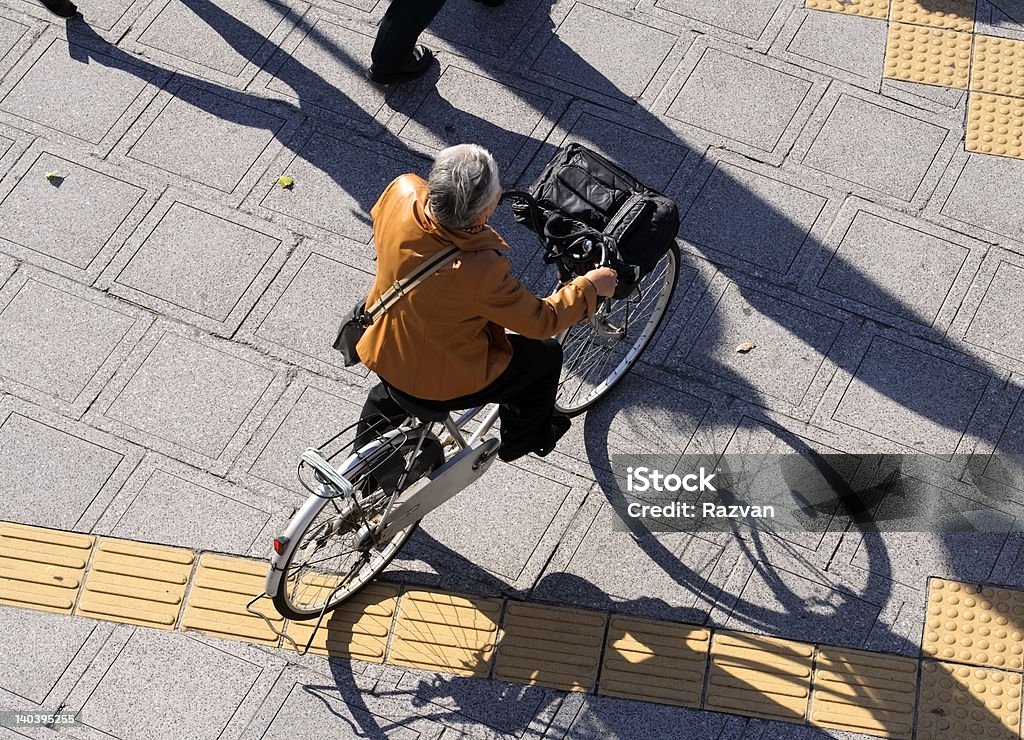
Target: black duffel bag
{"points": [[583, 185]]}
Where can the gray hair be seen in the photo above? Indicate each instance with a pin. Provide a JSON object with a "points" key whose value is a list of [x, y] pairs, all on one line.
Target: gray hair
{"points": [[463, 183]]}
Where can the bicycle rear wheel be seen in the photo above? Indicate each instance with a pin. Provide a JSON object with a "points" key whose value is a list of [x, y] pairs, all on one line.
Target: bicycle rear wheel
{"points": [[596, 359], [334, 556]]}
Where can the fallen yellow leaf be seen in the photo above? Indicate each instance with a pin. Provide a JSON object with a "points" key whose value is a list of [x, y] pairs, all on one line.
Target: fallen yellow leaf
{"points": [[285, 183], [745, 347]]}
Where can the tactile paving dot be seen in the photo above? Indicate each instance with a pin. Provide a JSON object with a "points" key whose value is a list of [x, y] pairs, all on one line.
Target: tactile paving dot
{"points": [[964, 702], [863, 8], [220, 590], [550, 646], [448, 633], [995, 125], [933, 56], [864, 692], [998, 66], [41, 568], [136, 583], [654, 661], [979, 625], [358, 629], [759, 677], [955, 14]]}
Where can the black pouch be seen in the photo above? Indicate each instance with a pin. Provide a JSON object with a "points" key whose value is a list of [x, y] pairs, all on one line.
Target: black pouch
{"points": [[350, 332]]}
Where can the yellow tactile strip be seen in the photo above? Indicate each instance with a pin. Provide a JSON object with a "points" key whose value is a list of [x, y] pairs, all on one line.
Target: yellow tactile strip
{"points": [[963, 702], [978, 625], [759, 676], [220, 591], [136, 583], [357, 630], [864, 8], [42, 568], [957, 15], [864, 692], [998, 66], [655, 661], [932, 56], [995, 125], [550, 646], [445, 632]]}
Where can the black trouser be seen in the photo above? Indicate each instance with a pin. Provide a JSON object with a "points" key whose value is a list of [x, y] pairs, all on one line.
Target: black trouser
{"points": [[402, 24], [525, 392]]}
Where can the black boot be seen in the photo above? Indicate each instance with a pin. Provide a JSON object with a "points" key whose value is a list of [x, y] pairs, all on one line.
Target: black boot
{"points": [[63, 8], [415, 66]]}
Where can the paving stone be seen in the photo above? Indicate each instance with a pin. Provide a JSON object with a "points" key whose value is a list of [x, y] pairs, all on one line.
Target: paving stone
{"points": [[958, 701], [969, 556], [107, 14], [791, 604], [749, 19], [359, 629], [312, 418], [70, 108], [908, 396], [214, 264], [903, 148], [894, 267], [998, 66], [985, 194], [739, 99], [42, 568], [1011, 444], [11, 33], [62, 341], [466, 106], [336, 185], [954, 14], [605, 53], [842, 43], [172, 504], [38, 648], [224, 35], [651, 159], [994, 325], [752, 217], [862, 8], [234, 137], [977, 625], [305, 317], [67, 219], [791, 357], [311, 72], [217, 601], [30, 452], [994, 125], [484, 29], [931, 56], [210, 682], [191, 394]]}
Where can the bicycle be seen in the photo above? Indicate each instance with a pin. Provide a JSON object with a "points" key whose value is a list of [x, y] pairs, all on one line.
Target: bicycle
{"points": [[369, 493]]}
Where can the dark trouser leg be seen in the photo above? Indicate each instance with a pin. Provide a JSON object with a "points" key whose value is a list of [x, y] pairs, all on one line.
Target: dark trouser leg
{"points": [[380, 413], [402, 24]]}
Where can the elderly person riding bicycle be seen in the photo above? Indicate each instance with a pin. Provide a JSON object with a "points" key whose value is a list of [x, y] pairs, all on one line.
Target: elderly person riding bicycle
{"points": [[444, 345]]}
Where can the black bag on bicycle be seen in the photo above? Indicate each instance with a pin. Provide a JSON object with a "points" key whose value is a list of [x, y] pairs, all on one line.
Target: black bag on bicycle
{"points": [[581, 184]]}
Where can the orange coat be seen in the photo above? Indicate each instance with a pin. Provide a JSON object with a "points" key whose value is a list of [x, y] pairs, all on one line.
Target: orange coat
{"points": [[446, 338]]}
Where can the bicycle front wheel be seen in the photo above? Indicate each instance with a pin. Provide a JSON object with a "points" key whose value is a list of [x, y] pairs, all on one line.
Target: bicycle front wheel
{"points": [[597, 355], [336, 555]]}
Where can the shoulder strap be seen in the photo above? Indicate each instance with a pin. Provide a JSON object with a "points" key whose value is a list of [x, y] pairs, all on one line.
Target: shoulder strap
{"points": [[401, 287]]}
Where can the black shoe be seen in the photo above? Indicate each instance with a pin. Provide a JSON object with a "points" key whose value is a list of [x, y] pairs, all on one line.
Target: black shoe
{"points": [[559, 426], [62, 8], [414, 67]]}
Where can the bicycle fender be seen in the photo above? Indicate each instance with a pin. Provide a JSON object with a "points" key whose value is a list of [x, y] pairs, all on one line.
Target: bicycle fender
{"points": [[431, 491], [296, 526]]}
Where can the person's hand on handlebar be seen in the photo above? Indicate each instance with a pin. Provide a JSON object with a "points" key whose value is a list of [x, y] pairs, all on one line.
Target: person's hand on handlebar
{"points": [[604, 280]]}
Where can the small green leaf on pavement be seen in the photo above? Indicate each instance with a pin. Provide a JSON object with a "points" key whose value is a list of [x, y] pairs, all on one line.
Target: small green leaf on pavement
{"points": [[285, 183]]}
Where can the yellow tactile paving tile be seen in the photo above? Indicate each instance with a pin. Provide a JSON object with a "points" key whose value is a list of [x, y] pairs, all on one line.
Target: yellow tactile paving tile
{"points": [[864, 692], [979, 625], [998, 66], [995, 125], [42, 568], [136, 583], [358, 629], [656, 661], [960, 701], [759, 677], [932, 56], [550, 646], [448, 633], [957, 15], [221, 588], [864, 8]]}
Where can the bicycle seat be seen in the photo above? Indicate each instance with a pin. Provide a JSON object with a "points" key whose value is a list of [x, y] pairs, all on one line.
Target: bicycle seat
{"points": [[411, 406]]}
